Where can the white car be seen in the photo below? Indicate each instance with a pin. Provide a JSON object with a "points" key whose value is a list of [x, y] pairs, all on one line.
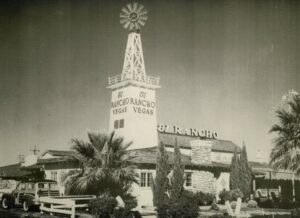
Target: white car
{"points": [[7, 186]]}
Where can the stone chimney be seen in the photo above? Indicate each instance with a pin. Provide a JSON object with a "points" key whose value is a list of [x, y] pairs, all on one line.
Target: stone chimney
{"points": [[201, 151]]}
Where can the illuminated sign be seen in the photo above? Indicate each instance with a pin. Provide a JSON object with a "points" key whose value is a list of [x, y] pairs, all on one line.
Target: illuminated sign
{"points": [[163, 128]]}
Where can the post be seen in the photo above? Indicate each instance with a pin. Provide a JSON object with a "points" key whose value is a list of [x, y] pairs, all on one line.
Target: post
{"points": [[73, 210], [293, 182]]}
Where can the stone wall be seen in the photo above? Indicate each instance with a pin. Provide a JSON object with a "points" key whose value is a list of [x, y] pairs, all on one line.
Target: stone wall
{"points": [[201, 151], [203, 181]]}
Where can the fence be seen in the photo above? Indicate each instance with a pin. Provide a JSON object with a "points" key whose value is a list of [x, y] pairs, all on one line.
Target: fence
{"points": [[64, 205]]}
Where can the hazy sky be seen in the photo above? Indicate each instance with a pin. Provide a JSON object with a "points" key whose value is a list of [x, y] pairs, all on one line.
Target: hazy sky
{"points": [[223, 65]]}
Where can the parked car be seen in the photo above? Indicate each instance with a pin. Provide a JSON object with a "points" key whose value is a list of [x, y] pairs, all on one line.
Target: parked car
{"points": [[27, 194], [7, 186]]}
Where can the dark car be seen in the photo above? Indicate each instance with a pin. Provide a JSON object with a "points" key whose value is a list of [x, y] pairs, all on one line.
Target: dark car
{"points": [[27, 194]]}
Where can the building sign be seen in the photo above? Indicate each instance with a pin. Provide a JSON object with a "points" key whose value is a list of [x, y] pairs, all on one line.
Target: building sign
{"points": [[140, 105], [163, 128]]}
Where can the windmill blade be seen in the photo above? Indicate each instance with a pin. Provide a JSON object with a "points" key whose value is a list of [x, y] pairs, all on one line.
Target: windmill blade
{"points": [[126, 25], [141, 22], [140, 8], [129, 6], [125, 10], [135, 6], [137, 26], [122, 21], [143, 12], [143, 19], [122, 15]]}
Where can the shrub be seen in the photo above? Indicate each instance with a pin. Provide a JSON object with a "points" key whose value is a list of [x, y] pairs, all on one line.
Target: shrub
{"points": [[130, 201], [295, 213], [266, 204], [235, 194], [204, 199], [233, 204], [285, 203], [185, 207], [126, 213], [214, 206], [103, 206], [252, 204], [225, 196]]}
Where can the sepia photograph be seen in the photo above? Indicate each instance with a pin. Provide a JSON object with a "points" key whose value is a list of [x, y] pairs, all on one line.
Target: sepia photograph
{"points": [[150, 108]]}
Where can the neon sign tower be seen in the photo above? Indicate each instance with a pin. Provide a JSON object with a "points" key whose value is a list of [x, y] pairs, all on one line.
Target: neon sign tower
{"points": [[133, 103]]}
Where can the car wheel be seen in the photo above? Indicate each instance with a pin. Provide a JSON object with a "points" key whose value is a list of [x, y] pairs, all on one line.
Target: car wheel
{"points": [[5, 204], [25, 206]]}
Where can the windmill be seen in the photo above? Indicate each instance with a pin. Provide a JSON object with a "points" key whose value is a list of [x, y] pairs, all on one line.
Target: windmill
{"points": [[133, 17]]}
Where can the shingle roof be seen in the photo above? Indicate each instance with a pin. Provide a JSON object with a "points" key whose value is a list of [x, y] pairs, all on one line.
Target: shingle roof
{"points": [[147, 156], [58, 153], [184, 141], [13, 171]]}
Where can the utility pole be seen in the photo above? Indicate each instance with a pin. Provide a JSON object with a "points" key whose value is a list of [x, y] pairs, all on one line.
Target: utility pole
{"points": [[35, 150]]}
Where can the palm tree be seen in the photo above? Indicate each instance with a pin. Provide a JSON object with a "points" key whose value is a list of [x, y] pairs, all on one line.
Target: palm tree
{"points": [[104, 166], [286, 152]]}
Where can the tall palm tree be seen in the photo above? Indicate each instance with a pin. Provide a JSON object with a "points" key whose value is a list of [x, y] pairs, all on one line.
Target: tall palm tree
{"points": [[286, 151], [104, 166]]}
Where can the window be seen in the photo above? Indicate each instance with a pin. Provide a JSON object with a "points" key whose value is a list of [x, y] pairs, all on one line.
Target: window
{"points": [[146, 179], [116, 124], [119, 124], [188, 179], [30, 186], [54, 175]]}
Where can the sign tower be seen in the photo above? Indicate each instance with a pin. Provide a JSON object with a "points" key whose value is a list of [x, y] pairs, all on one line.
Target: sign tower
{"points": [[133, 104]]}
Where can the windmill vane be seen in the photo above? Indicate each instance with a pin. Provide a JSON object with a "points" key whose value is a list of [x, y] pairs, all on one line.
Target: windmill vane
{"points": [[133, 16]]}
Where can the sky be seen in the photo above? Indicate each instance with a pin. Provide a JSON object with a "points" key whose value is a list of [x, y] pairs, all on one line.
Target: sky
{"points": [[223, 65]]}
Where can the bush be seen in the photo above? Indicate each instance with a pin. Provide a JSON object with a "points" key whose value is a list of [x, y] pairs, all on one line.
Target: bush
{"points": [[295, 213], [103, 206], [231, 195], [126, 213], [225, 196], [204, 199], [252, 204], [214, 206], [266, 204], [130, 201], [235, 194], [184, 207], [233, 204]]}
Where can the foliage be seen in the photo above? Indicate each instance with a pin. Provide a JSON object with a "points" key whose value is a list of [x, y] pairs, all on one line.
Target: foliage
{"points": [[252, 204], [235, 194], [184, 207], [104, 166], [204, 199], [214, 206], [130, 201], [225, 196], [245, 174], [233, 204], [161, 181], [126, 213], [103, 206], [234, 171], [285, 153], [231, 195], [177, 179], [295, 213], [269, 203]]}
